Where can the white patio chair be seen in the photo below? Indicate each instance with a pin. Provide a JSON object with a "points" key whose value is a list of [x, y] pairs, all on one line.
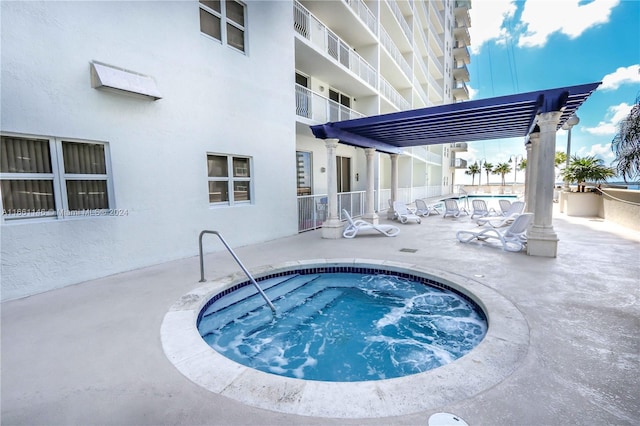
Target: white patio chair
{"points": [[451, 208], [513, 238], [514, 211], [404, 215], [480, 209], [424, 210], [504, 206], [355, 226]]}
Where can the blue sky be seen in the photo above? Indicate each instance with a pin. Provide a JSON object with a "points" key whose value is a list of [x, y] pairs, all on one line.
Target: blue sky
{"points": [[522, 46]]}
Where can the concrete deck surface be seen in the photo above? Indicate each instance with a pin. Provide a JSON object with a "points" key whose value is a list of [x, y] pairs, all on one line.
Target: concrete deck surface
{"points": [[91, 354]]}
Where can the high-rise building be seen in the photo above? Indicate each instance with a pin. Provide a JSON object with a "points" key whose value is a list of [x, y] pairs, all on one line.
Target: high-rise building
{"points": [[129, 127]]}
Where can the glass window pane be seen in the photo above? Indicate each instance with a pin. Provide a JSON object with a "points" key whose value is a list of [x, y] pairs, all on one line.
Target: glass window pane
{"points": [[218, 192], [304, 173], [217, 166], [241, 167], [235, 12], [241, 191], [235, 37], [210, 25], [21, 155], [84, 158], [212, 4], [87, 194], [27, 196]]}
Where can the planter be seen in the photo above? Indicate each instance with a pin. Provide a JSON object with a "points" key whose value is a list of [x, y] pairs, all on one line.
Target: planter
{"points": [[586, 204]]}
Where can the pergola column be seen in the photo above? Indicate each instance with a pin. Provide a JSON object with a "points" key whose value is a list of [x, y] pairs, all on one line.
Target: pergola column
{"points": [[394, 183], [332, 227], [533, 149], [542, 240], [369, 202]]}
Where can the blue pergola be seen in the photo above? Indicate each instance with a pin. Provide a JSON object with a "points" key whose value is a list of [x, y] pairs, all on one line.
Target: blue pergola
{"points": [[483, 119], [534, 116]]}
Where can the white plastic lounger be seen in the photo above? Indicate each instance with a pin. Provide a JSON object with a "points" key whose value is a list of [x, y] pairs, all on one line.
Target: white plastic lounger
{"points": [[424, 210], [480, 209], [404, 215], [504, 206], [513, 238], [355, 226], [514, 211], [451, 208]]}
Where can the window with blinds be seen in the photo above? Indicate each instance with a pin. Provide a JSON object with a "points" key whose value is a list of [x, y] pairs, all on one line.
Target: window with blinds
{"points": [[229, 179], [224, 20], [48, 177]]}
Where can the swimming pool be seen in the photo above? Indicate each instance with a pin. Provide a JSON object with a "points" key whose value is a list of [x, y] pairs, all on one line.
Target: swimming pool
{"points": [[343, 326], [495, 358]]}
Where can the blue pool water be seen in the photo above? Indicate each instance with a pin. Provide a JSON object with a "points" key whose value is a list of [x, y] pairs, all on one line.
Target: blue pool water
{"points": [[343, 327]]}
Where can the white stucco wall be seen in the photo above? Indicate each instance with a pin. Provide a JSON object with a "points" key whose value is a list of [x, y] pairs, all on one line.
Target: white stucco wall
{"points": [[215, 99]]}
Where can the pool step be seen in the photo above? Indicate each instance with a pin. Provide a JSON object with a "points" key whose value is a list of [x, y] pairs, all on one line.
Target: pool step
{"points": [[252, 303]]}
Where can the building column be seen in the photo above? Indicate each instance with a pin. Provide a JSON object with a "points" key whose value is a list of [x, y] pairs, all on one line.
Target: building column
{"points": [[394, 184], [533, 148], [332, 227], [541, 237], [369, 202]]}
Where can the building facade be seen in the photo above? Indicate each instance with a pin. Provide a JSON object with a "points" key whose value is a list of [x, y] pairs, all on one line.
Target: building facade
{"points": [[129, 127]]}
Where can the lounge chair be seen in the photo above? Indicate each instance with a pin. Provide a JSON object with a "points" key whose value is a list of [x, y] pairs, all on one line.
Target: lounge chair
{"points": [[504, 206], [424, 210], [355, 226], [514, 211], [404, 215], [451, 208], [480, 209], [512, 238]]}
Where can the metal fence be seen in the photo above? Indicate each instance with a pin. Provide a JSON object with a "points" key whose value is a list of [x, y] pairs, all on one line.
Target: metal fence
{"points": [[312, 209]]}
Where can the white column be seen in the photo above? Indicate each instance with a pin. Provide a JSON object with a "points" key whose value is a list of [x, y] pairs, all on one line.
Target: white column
{"points": [[394, 183], [332, 227], [541, 238], [369, 202], [533, 148]]}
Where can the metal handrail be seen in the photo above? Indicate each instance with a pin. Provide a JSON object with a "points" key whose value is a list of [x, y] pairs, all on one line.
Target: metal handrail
{"points": [[262, 293]]}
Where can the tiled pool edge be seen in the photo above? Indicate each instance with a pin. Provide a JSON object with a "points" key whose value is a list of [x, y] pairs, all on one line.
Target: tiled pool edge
{"points": [[494, 359]]}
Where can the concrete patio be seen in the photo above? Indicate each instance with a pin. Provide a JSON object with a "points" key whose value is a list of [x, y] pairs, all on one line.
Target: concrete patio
{"points": [[92, 354]]}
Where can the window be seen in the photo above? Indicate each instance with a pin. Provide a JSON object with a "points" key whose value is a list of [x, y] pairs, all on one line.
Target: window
{"points": [[52, 177], [224, 20], [304, 172], [229, 179]]}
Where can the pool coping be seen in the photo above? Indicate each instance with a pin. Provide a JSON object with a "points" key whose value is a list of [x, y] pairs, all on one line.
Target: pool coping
{"points": [[493, 360]]}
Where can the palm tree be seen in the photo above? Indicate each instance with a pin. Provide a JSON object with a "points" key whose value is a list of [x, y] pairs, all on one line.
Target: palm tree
{"points": [[626, 145], [488, 167], [473, 170], [585, 169], [502, 169]]}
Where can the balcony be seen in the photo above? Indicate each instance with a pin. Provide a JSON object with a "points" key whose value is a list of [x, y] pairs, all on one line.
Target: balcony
{"points": [[458, 147], [458, 163], [461, 53], [319, 109], [460, 92], [461, 34], [461, 12], [461, 73]]}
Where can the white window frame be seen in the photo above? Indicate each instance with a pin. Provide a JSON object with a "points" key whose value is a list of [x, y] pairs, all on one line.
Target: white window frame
{"points": [[225, 20], [231, 179], [60, 178]]}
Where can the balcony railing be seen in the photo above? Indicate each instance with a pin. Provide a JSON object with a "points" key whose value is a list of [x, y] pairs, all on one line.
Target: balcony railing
{"points": [[389, 92], [459, 146], [322, 38], [318, 108], [459, 163], [401, 19], [395, 53], [364, 13]]}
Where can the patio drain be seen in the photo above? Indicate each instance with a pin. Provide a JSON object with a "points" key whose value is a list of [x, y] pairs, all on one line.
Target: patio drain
{"points": [[408, 250]]}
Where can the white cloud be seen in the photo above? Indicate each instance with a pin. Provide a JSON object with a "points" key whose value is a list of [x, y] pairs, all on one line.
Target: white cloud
{"points": [[487, 18], [621, 76], [614, 115], [543, 18], [472, 92], [597, 150]]}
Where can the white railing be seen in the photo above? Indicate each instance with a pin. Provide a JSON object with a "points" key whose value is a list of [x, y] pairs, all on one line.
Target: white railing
{"points": [[401, 19], [389, 92], [315, 107], [312, 209], [312, 29], [395, 53], [364, 13]]}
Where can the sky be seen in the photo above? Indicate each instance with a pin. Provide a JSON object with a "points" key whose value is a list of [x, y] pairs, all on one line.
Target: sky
{"points": [[527, 45]]}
